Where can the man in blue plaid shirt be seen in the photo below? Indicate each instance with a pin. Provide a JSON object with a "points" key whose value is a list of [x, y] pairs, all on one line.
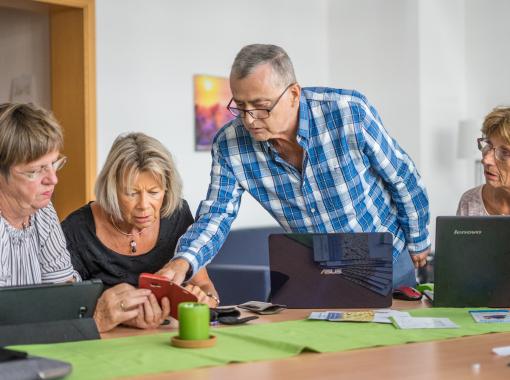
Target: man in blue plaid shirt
{"points": [[317, 159]]}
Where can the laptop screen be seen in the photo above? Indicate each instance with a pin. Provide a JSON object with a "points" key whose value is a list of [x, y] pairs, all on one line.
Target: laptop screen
{"points": [[472, 261]]}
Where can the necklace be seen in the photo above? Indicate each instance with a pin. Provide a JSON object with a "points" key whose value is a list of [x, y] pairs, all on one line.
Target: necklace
{"points": [[132, 242], [24, 225]]}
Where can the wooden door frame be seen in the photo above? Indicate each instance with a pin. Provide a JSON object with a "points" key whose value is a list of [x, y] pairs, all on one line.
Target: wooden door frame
{"points": [[73, 75], [73, 93]]}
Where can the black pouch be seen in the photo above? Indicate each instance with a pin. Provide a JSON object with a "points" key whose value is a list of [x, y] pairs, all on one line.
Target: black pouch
{"points": [[262, 307], [228, 316]]}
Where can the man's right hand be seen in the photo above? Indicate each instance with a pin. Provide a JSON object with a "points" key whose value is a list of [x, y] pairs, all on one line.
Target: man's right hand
{"points": [[175, 270]]}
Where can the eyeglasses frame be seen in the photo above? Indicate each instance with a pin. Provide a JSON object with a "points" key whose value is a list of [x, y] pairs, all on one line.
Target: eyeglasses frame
{"points": [[243, 112], [34, 175], [497, 156]]}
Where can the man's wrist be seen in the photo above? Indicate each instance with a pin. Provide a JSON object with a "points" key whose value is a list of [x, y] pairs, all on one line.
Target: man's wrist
{"points": [[182, 266]]}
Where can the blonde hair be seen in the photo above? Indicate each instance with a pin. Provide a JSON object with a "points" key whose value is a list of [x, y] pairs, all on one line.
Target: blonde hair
{"points": [[27, 133], [130, 155], [497, 123]]}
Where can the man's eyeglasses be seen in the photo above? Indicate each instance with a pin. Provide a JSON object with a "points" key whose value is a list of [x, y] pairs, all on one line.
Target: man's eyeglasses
{"points": [[36, 174], [256, 113], [500, 153]]}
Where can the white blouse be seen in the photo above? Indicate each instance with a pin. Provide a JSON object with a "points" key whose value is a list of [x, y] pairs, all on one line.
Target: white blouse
{"points": [[471, 203], [36, 254]]}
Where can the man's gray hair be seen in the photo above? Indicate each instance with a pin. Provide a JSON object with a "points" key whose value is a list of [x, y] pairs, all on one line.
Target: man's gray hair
{"points": [[130, 155], [251, 56]]}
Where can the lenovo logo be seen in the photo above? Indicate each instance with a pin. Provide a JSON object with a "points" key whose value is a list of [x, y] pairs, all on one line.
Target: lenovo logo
{"points": [[474, 232], [331, 271]]}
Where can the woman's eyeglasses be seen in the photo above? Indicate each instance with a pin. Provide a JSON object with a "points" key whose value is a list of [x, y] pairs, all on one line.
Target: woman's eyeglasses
{"points": [[500, 153], [36, 174]]}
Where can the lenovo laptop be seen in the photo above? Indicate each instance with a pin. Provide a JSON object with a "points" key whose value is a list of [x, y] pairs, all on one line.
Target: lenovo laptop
{"points": [[472, 261], [341, 270]]}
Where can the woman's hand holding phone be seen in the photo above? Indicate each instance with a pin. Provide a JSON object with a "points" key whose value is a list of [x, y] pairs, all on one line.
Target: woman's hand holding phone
{"points": [[150, 314]]}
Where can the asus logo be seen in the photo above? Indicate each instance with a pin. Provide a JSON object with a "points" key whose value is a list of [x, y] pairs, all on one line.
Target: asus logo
{"points": [[331, 271], [477, 232]]}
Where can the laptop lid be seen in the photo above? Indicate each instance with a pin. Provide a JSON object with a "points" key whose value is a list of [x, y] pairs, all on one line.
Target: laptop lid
{"points": [[299, 279], [472, 261]]}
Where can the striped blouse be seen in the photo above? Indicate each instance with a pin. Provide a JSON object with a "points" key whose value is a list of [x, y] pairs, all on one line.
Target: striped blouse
{"points": [[36, 254]]}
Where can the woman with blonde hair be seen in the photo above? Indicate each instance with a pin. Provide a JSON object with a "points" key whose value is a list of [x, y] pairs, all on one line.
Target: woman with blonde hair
{"points": [[134, 225], [492, 198]]}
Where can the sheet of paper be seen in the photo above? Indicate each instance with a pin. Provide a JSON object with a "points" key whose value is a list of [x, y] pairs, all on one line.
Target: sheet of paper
{"points": [[384, 315], [378, 316], [502, 351], [490, 316], [326, 315], [343, 316], [403, 322]]}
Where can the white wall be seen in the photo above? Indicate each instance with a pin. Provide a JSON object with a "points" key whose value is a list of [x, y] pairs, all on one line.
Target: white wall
{"points": [[374, 49], [442, 103], [424, 64], [487, 55], [464, 73], [148, 51], [24, 50]]}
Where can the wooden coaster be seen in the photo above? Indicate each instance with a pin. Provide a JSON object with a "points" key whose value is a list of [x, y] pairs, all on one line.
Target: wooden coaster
{"points": [[181, 343]]}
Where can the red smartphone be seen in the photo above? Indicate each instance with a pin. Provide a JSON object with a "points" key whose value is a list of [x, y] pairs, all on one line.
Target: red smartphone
{"points": [[163, 287]]}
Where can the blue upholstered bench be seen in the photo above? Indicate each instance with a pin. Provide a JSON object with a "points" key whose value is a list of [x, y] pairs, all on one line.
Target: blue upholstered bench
{"points": [[240, 271]]}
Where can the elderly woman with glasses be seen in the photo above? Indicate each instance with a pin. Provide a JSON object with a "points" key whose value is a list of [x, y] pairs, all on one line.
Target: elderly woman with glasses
{"points": [[492, 198], [32, 245], [133, 227]]}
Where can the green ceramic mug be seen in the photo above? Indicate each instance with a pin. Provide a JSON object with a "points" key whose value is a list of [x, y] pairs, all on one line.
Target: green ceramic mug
{"points": [[193, 321]]}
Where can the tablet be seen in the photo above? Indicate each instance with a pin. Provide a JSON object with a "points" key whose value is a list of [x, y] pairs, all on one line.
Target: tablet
{"points": [[49, 302]]}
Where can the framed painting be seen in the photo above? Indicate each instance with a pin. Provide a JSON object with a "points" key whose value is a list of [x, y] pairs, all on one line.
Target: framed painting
{"points": [[212, 95]]}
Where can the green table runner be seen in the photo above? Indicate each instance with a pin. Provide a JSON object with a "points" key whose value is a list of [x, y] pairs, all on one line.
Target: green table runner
{"points": [[112, 358]]}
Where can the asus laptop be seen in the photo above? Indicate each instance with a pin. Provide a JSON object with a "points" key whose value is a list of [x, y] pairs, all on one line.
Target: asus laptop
{"points": [[472, 261], [340, 270]]}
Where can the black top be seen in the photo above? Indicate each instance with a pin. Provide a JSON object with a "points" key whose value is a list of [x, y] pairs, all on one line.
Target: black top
{"points": [[92, 259]]}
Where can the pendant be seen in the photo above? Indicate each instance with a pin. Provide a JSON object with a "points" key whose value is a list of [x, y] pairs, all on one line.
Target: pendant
{"points": [[132, 244]]}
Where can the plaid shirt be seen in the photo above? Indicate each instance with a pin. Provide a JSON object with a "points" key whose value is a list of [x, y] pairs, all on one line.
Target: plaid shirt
{"points": [[355, 178]]}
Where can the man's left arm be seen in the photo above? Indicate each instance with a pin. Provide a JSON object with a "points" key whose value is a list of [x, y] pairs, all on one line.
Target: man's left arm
{"points": [[403, 182]]}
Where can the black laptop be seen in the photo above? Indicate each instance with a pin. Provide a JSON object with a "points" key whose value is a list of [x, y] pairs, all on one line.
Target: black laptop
{"points": [[48, 313], [472, 261], [339, 270]]}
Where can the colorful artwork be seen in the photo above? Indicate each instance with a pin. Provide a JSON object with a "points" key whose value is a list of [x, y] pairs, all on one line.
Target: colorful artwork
{"points": [[212, 95]]}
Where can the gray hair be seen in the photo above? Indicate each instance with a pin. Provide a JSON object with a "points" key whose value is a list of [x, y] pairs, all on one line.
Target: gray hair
{"points": [[130, 155], [251, 56], [27, 133], [497, 123]]}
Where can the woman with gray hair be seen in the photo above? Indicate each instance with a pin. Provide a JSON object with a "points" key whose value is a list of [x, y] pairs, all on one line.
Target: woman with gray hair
{"points": [[492, 198], [134, 225], [32, 245]]}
